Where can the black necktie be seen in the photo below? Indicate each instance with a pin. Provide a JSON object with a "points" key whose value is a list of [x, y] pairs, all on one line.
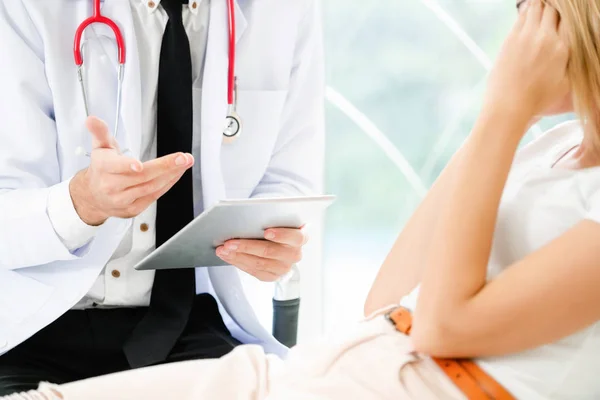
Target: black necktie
{"points": [[173, 290]]}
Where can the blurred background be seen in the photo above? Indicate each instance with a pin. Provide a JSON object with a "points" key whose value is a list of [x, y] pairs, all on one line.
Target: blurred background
{"points": [[405, 79]]}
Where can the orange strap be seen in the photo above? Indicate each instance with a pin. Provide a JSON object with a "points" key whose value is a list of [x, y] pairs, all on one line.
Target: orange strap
{"points": [[466, 375]]}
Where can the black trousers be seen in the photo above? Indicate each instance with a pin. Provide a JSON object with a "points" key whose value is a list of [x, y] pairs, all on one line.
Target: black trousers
{"points": [[88, 343]]}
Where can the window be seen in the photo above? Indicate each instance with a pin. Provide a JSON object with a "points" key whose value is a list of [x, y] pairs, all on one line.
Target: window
{"points": [[405, 82]]}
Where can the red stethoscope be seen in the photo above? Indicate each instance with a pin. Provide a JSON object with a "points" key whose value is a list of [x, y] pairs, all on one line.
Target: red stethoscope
{"points": [[233, 122]]}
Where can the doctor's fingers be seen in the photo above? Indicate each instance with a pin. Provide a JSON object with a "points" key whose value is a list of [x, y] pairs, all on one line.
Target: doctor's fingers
{"points": [[159, 185], [110, 162], [115, 163], [263, 276], [165, 165], [264, 269], [101, 137], [289, 236], [137, 206], [265, 249]]}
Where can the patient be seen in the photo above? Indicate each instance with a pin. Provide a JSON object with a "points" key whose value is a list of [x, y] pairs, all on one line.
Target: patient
{"points": [[505, 251]]}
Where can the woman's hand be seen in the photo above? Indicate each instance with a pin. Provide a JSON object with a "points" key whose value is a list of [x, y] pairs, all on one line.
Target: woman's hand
{"points": [[267, 260], [530, 73]]}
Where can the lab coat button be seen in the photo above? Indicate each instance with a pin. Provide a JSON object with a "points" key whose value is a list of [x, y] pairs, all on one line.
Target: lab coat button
{"points": [[115, 273], [144, 227], [3, 343]]}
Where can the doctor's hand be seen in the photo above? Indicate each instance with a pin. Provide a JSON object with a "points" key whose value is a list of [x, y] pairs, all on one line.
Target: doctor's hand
{"points": [[269, 259], [115, 185]]}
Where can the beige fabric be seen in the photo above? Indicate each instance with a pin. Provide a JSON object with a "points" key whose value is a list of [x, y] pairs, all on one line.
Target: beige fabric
{"points": [[371, 362]]}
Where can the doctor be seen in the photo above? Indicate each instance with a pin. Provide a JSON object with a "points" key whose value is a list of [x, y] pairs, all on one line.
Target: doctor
{"points": [[72, 227]]}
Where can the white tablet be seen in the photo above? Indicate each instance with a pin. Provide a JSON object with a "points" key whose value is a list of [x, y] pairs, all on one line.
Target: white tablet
{"points": [[195, 245]]}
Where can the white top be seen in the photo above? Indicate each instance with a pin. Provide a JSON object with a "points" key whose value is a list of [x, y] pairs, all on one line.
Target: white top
{"points": [[539, 204], [119, 284]]}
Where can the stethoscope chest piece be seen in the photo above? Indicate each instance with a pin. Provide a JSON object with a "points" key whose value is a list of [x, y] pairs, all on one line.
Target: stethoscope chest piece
{"points": [[233, 123], [233, 127]]}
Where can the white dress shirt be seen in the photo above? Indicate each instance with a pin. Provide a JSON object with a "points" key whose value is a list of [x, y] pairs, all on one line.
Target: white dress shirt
{"points": [[119, 284]]}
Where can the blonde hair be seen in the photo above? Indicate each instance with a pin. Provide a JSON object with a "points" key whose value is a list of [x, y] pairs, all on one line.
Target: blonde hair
{"points": [[580, 21]]}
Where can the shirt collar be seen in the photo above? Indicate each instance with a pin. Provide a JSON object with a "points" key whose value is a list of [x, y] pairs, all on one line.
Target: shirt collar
{"points": [[152, 5]]}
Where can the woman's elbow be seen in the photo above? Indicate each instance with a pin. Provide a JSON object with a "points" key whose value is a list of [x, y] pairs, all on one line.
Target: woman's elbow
{"points": [[376, 303], [369, 307], [435, 337], [372, 303]]}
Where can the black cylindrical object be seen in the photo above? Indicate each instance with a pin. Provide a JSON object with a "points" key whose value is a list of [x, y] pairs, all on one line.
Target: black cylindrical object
{"points": [[285, 321]]}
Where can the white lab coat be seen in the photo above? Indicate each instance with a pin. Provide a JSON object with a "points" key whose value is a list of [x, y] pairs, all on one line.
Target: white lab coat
{"points": [[42, 123]]}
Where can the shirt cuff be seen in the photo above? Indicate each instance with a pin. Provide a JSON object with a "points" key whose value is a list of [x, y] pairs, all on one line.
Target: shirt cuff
{"points": [[73, 232]]}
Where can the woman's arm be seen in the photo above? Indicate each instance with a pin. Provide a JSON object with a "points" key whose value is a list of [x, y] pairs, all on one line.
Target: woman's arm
{"points": [[547, 296], [552, 292], [403, 267]]}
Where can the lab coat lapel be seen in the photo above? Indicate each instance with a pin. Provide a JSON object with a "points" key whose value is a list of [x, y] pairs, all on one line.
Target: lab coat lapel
{"points": [[214, 98], [225, 280], [131, 109], [240, 22]]}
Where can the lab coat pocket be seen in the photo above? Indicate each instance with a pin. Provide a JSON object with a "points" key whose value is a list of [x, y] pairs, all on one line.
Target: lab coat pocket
{"points": [[20, 297], [245, 160]]}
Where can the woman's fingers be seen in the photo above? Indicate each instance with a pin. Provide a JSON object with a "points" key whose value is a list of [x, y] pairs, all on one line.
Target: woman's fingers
{"points": [[531, 66], [534, 14], [522, 18], [550, 18]]}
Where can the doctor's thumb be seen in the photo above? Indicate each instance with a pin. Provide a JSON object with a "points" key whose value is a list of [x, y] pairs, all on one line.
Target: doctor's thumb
{"points": [[101, 137]]}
